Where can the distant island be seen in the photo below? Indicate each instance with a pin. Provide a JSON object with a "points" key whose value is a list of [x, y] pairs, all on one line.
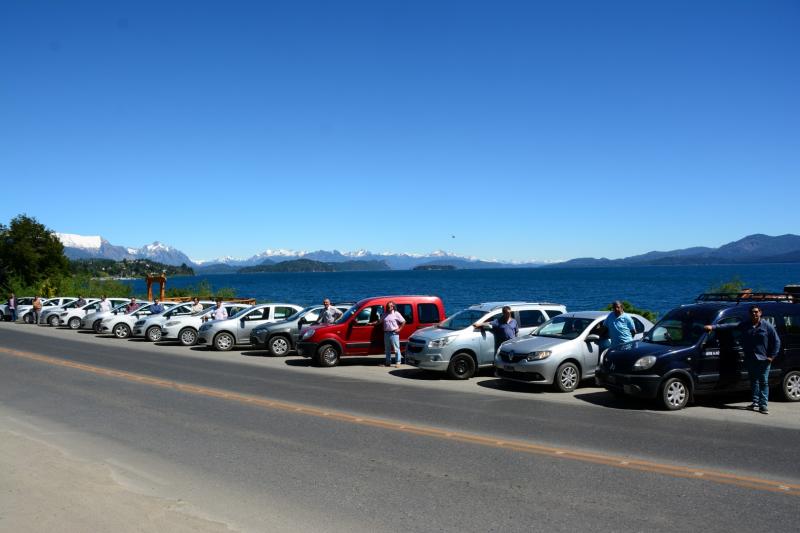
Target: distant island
{"points": [[309, 265], [127, 268], [434, 267]]}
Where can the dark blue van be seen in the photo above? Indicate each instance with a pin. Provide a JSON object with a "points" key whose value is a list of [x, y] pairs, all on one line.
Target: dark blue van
{"points": [[677, 359]]}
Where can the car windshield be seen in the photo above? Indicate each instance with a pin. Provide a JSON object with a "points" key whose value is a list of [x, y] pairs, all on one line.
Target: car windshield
{"points": [[681, 327], [462, 319], [243, 312], [563, 327], [206, 311], [71, 305], [346, 316]]}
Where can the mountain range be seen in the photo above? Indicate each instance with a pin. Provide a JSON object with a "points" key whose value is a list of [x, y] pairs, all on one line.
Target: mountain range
{"points": [[756, 248]]}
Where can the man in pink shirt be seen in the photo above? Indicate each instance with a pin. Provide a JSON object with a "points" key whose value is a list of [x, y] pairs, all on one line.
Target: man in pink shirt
{"points": [[393, 322]]}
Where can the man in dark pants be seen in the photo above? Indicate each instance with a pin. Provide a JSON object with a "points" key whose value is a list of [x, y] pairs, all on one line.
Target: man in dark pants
{"points": [[761, 345]]}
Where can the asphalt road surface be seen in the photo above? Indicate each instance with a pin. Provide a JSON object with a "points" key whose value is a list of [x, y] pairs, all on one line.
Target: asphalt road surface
{"points": [[265, 444]]}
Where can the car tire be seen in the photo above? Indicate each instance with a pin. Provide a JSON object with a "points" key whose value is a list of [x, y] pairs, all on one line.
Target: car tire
{"points": [[674, 394], [187, 337], [121, 331], [53, 320], [153, 333], [74, 323], [224, 341], [96, 325], [278, 346], [328, 355], [567, 377], [461, 366], [790, 386], [28, 318]]}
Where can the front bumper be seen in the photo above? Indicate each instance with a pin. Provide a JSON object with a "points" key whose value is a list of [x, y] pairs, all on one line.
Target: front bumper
{"points": [[543, 371], [425, 359], [642, 386], [306, 349]]}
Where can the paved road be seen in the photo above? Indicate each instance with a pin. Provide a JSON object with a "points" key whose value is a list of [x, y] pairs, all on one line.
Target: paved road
{"points": [[273, 444]]}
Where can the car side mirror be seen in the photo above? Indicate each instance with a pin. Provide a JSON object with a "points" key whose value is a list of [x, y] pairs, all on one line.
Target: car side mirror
{"points": [[593, 338]]}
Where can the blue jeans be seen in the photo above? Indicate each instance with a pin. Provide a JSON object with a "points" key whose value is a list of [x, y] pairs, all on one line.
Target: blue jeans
{"points": [[13, 315], [392, 340], [759, 380]]}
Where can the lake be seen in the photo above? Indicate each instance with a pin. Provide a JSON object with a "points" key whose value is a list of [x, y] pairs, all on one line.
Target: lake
{"points": [[654, 288]]}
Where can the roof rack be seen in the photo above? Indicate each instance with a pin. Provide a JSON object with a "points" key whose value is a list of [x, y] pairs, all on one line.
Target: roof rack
{"points": [[747, 296]]}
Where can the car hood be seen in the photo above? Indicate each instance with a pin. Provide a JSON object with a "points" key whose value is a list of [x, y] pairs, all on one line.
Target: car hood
{"points": [[433, 333], [532, 343], [624, 356]]}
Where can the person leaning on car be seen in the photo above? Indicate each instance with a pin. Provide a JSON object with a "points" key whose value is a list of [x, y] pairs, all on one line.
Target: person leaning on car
{"points": [[761, 345], [80, 302], [12, 307], [156, 308], [37, 309], [196, 306], [329, 314], [504, 328], [219, 312], [393, 322], [132, 306], [105, 305]]}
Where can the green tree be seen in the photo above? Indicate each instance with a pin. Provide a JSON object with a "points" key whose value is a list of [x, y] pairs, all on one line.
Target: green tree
{"points": [[628, 307], [30, 253], [732, 286]]}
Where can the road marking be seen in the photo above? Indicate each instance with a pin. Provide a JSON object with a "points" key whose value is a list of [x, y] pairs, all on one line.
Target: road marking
{"points": [[519, 446]]}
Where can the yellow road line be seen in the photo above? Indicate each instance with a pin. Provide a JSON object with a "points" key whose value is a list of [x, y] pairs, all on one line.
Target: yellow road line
{"points": [[515, 445]]}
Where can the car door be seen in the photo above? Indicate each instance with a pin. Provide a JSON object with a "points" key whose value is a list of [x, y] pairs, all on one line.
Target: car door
{"points": [[789, 356], [250, 320], [486, 342], [364, 333], [720, 362], [590, 350]]}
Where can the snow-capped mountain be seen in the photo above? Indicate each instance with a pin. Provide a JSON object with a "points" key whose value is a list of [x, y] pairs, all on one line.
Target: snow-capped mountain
{"points": [[94, 246]]}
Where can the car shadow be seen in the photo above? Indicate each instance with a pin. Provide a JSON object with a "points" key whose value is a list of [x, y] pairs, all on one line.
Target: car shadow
{"points": [[345, 361], [421, 374], [604, 398], [256, 353], [86, 332], [513, 386]]}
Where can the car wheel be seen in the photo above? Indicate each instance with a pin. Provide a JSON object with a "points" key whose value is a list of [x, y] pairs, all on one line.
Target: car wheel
{"points": [[53, 320], [791, 386], [328, 355], [278, 346], [96, 326], [74, 323], [28, 318], [153, 334], [187, 336], [567, 377], [461, 366], [224, 341], [674, 394], [121, 331]]}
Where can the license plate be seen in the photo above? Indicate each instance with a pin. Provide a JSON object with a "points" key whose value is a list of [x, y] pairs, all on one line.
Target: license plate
{"points": [[508, 368]]}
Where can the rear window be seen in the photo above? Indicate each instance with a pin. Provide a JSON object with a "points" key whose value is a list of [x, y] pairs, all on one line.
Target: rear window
{"points": [[428, 313], [529, 318], [282, 312]]}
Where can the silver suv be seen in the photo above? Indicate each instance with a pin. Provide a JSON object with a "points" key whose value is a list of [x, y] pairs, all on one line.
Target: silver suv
{"points": [[458, 348], [223, 335]]}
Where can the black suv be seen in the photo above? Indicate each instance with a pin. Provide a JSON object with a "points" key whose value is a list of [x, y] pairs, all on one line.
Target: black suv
{"points": [[677, 359]]}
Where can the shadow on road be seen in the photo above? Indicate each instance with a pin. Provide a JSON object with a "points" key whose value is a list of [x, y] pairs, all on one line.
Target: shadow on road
{"points": [[607, 399], [346, 361], [513, 386]]}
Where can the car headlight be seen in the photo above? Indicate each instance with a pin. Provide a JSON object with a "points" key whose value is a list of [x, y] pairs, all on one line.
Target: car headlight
{"points": [[538, 356], [307, 334], [444, 341], [170, 324], [643, 363]]}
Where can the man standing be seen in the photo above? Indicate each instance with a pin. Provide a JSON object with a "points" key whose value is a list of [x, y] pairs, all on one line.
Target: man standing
{"points": [[620, 326], [132, 306], [80, 302], [37, 309], [12, 307], [504, 328], [196, 306], [105, 305], [393, 322], [761, 345], [219, 312], [329, 314], [156, 308]]}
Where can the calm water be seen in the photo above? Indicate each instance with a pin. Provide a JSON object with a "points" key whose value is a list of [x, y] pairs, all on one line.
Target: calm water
{"points": [[656, 288]]}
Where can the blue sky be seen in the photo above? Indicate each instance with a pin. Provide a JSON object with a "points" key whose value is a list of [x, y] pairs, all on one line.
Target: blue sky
{"points": [[528, 130]]}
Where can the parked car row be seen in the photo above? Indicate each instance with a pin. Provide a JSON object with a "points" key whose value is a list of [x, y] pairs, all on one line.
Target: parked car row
{"points": [[672, 361]]}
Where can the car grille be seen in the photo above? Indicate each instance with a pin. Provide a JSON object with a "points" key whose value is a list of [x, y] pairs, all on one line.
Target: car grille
{"points": [[511, 357], [522, 376]]}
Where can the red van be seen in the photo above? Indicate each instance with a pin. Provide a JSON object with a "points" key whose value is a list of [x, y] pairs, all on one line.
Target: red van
{"points": [[359, 330]]}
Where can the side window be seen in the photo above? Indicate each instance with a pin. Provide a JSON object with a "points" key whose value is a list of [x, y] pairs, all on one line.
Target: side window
{"points": [[283, 312], [407, 310], [368, 314], [258, 314], [638, 325], [792, 323], [553, 312], [727, 338], [529, 318], [428, 313], [311, 316], [182, 310], [494, 316]]}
